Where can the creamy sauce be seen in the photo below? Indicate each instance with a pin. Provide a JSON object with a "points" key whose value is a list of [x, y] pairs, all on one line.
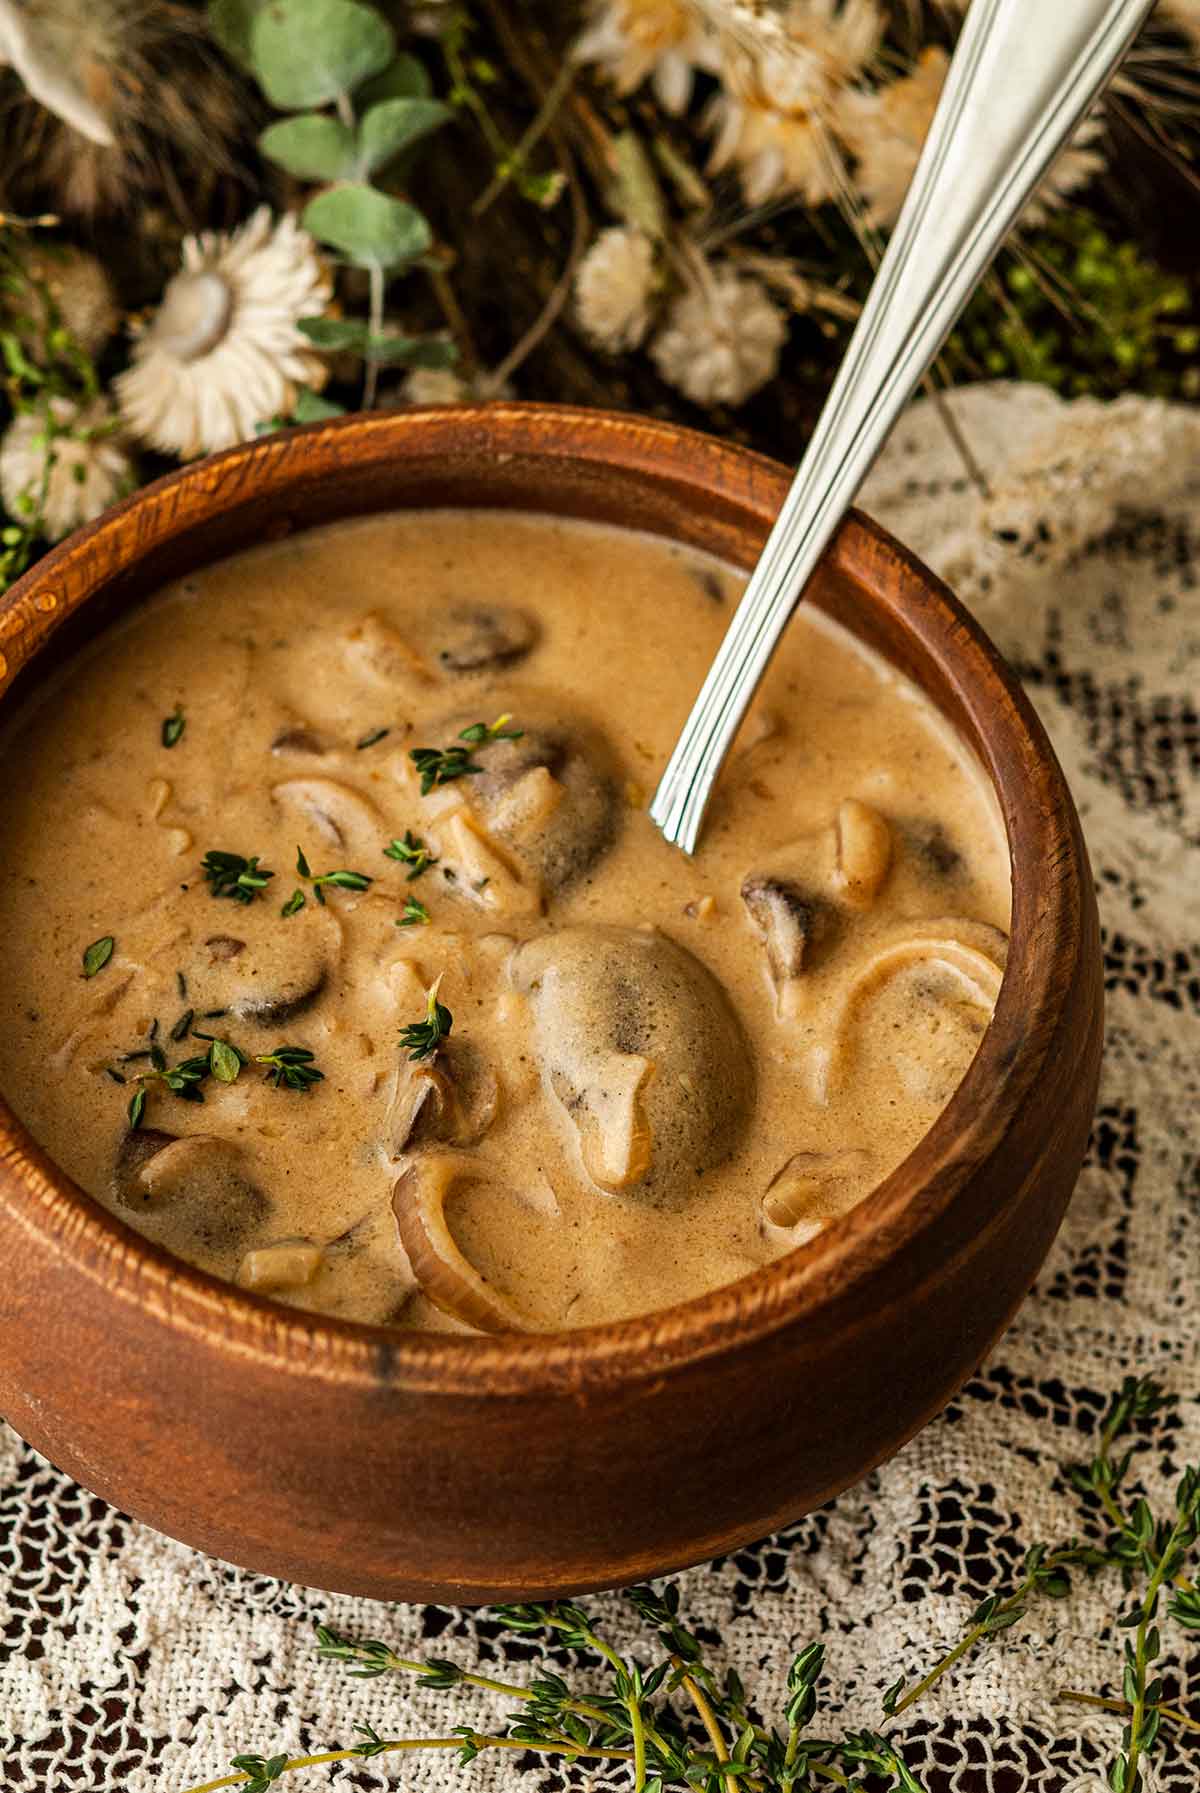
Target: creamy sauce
{"points": [[661, 1072]]}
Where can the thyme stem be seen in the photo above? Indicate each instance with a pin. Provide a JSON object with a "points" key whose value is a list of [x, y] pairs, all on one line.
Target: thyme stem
{"points": [[1171, 1713], [549, 1747]]}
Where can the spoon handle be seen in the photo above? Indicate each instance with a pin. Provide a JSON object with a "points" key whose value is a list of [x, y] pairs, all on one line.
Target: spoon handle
{"points": [[1023, 75]]}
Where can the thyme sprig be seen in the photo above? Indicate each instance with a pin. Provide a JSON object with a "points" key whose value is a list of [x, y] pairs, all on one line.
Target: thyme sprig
{"points": [[678, 1724], [290, 1067], [173, 726], [339, 880], [412, 852], [414, 914], [230, 875], [441, 765], [421, 1039]]}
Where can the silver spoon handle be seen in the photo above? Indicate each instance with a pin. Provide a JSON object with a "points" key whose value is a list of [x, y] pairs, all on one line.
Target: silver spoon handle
{"points": [[1023, 75]]}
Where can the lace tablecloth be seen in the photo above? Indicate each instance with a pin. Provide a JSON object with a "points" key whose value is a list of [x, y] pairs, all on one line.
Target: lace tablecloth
{"points": [[129, 1663]]}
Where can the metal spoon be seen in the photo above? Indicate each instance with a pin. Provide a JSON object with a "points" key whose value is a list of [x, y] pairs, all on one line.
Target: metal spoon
{"points": [[1023, 75]]}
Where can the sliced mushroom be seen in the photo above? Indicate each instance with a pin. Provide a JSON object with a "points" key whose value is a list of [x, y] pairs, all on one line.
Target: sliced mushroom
{"points": [[472, 638], [452, 1101], [482, 874], [444, 1275], [639, 1043], [973, 952], [275, 973], [299, 739], [288, 1264], [555, 824], [191, 1194], [789, 920], [863, 849], [375, 647], [340, 815]]}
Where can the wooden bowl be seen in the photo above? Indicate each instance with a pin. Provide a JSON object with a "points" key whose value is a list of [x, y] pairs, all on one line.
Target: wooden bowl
{"points": [[411, 1466]]}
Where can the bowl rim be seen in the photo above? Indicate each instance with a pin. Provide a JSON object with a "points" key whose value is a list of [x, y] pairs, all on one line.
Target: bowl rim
{"points": [[55, 1213]]}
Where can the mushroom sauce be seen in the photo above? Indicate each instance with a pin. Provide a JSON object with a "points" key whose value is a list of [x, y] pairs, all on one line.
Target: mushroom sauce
{"points": [[489, 1054]]}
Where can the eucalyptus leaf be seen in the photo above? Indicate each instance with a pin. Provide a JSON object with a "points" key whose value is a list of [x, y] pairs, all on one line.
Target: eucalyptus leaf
{"points": [[392, 125], [335, 333], [229, 22], [313, 147], [411, 351], [371, 229], [403, 79], [308, 52]]}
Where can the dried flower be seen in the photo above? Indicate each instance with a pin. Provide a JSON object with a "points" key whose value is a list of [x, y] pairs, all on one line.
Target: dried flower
{"points": [[886, 129], [146, 74], [68, 287], [776, 117], [223, 351], [433, 386], [722, 337], [63, 469], [661, 40], [613, 289]]}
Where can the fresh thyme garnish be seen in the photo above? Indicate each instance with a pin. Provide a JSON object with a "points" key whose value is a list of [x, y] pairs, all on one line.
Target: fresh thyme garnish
{"points": [[137, 1108], [180, 1029], [412, 852], [225, 1061], [294, 903], [421, 1039], [181, 985], [173, 727], [440, 765], [376, 734], [183, 1079], [115, 1075], [97, 955], [339, 881], [414, 914], [646, 1718], [229, 875], [292, 1067]]}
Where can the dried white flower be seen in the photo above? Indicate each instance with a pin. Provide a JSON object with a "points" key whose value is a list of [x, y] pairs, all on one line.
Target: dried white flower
{"points": [[1079, 163], [614, 287], [63, 479], [722, 337], [776, 119], [664, 41], [49, 80], [222, 352], [72, 284], [886, 129]]}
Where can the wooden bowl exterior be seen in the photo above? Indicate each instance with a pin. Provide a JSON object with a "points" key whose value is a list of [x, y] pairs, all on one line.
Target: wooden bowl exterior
{"points": [[410, 1466]]}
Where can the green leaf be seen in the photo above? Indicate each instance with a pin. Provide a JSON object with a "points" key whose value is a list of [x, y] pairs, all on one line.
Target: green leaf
{"points": [[312, 147], [97, 955], [392, 125], [403, 79], [308, 52], [335, 333], [312, 408], [224, 1061], [371, 229], [230, 21], [137, 1108], [412, 351]]}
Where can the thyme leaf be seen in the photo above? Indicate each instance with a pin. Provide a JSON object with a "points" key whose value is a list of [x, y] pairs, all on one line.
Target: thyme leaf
{"points": [[421, 1039], [414, 914], [294, 903], [225, 1061], [341, 880], [97, 955], [173, 727], [137, 1108], [290, 1067], [412, 852], [441, 765], [229, 875], [369, 740]]}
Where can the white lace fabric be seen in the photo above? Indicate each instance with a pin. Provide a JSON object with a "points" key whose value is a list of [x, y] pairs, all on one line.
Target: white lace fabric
{"points": [[130, 1664]]}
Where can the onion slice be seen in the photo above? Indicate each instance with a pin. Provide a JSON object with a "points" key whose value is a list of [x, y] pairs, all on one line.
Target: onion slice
{"points": [[443, 1274]]}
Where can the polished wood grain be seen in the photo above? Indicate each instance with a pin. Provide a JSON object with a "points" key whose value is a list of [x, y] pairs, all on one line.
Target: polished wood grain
{"points": [[424, 1466]]}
